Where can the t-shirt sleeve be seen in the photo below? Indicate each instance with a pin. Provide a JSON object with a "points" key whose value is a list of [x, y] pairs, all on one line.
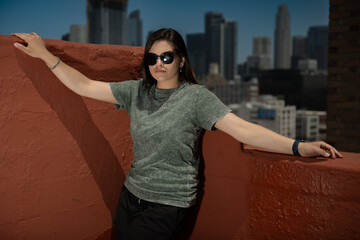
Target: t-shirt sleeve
{"points": [[209, 109], [122, 92]]}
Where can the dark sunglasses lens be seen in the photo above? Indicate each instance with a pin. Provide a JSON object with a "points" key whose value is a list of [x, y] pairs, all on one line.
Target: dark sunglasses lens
{"points": [[151, 59], [167, 57]]}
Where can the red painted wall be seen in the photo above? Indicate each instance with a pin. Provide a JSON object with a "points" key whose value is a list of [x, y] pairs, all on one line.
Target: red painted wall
{"points": [[63, 159]]}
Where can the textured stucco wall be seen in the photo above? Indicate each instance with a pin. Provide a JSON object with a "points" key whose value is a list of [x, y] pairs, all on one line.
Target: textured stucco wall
{"points": [[251, 194], [63, 159]]}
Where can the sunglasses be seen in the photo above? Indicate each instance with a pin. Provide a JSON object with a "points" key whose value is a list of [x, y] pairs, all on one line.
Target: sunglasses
{"points": [[166, 58]]}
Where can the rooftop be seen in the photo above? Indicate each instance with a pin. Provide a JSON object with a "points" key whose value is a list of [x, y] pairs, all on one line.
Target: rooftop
{"points": [[63, 159]]}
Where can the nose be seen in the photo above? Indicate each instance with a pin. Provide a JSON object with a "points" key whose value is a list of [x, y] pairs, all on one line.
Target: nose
{"points": [[159, 62]]}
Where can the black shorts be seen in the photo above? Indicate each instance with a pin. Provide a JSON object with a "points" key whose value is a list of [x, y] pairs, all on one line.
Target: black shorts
{"points": [[139, 219]]}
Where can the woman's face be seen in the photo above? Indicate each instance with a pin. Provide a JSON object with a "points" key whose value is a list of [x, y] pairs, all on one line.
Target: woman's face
{"points": [[166, 75]]}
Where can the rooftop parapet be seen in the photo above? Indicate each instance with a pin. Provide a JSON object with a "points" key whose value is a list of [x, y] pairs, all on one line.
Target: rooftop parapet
{"points": [[63, 159]]}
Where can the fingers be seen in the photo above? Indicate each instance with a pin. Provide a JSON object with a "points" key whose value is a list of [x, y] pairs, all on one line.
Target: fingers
{"points": [[334, 153], [330, 150], [21, 47], [22, 36], [26, 36], [320, 148], [338, 154], [35, 46], [323, 152]]}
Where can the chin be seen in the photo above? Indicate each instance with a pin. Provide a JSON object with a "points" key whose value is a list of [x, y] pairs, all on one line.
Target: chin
{"points": [[160, 78]]}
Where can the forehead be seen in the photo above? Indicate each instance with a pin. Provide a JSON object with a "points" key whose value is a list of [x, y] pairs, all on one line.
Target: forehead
{"points": [[161, 46]]}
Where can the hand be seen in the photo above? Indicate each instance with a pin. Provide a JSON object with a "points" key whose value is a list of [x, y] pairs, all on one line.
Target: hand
{"points": [[36, 46], [311, 149]]}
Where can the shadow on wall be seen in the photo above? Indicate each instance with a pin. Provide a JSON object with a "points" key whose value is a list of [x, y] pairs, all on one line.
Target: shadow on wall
{"points": [[86, 130], [77, 120]]}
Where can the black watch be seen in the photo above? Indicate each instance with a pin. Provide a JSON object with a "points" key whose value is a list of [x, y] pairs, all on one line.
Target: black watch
{"points": [[295, 147]]}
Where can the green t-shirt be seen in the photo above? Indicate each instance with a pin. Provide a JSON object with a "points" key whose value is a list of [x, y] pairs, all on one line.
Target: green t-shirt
{"points": [[165, 126]]}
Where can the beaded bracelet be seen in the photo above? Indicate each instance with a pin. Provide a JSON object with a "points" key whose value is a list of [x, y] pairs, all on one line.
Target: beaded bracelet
{"points": [[295, 147], [53, 67]]}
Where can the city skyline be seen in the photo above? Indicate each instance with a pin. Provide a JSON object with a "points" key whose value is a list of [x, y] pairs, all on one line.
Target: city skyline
{"points": [[254, 19]]}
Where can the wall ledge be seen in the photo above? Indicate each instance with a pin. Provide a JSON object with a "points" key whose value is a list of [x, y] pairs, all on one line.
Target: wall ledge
{"points": [[350, 161]]}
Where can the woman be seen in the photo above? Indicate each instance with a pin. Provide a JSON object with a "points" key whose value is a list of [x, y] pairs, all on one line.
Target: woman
{"points": [[168, 112]]}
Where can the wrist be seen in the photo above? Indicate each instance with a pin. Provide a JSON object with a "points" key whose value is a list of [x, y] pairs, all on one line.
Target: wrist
{"points": [[295, 147], [49, 59], [57, 63]]}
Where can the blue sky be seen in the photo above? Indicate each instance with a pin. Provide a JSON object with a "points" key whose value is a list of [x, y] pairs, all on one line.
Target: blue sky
{"points": [[255, 18]]}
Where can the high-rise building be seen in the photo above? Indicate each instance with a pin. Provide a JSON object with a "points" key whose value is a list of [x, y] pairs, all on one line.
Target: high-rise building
{"points": [[197, 53], [317, 45], [262, 46], [261, 57], [107, 21], [212, 33], [78, 33], [221, 43], [298, 50], [228, 49], [241, 70], [256, 64], [299, 46], [282, 38], [135, 29]]}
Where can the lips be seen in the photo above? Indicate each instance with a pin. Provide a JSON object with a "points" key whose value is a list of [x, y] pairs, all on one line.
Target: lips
{"points": [[159, 71]]}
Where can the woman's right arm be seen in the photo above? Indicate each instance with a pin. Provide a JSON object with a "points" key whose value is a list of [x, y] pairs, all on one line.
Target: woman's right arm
{"points": [[69, 76]]}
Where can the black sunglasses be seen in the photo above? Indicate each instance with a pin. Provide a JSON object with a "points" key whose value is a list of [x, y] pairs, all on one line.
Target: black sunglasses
{"points": [[166, 58]]}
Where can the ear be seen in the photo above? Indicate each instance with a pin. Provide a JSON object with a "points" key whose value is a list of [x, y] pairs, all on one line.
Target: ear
{"points": [[182, 63]]}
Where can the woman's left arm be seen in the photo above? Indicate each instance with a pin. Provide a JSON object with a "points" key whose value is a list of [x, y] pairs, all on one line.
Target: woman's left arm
{"points": [[261, 137]]}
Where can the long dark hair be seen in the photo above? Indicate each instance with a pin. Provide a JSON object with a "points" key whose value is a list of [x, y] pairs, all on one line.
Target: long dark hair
{"points": [[168, 34]]}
